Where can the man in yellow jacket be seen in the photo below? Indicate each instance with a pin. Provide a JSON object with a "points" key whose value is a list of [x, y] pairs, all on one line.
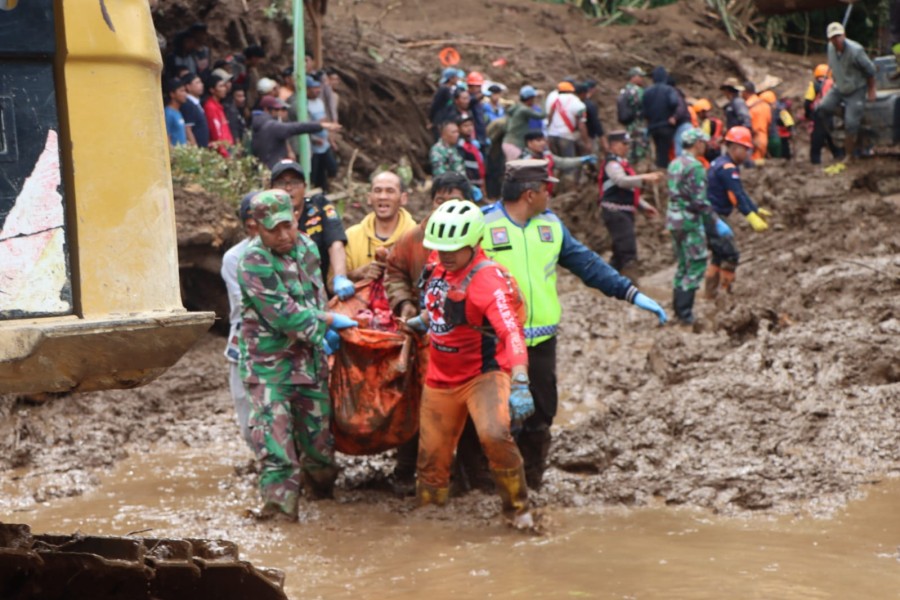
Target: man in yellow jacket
{"points": [[381, 228]]}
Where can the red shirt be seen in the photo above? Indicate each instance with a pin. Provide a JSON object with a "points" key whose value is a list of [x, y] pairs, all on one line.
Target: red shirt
{"points": [[459, 353], [218, 125]]}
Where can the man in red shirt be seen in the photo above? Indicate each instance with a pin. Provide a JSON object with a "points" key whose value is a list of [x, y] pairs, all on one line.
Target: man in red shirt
{"points": [[220, 137], [478, 361]]}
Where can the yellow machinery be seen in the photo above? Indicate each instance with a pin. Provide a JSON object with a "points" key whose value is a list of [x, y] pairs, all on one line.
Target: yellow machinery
{"points": [[89, 287]]}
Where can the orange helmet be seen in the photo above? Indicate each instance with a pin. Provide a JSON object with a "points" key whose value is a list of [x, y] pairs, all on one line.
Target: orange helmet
{"points": [[820, 71], [702, 104], [475, 78], [740, 135], [768, 97], [565, 86]]}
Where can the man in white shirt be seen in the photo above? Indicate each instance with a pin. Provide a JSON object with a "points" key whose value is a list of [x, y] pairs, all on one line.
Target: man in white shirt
{"points": [[565, 120], [232, 354]]}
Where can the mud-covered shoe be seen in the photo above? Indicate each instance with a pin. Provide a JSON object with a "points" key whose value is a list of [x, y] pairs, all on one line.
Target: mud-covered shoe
{"points": [[270, 512], [530, 522]]}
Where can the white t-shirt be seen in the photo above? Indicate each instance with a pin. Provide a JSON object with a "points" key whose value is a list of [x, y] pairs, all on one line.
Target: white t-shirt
{"points": [[229, 274], [569, 105]]}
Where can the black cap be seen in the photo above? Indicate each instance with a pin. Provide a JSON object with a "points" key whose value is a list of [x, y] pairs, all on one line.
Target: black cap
{"points": [[287, 71], [283, 167], [749, 86], [464, 117], [495, 88], [618, 136], [534, 134], [244, 207], [528, 170]]}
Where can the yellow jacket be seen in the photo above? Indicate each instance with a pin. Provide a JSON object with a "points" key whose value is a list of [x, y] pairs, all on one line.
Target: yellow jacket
{"points": [[362, 242]]}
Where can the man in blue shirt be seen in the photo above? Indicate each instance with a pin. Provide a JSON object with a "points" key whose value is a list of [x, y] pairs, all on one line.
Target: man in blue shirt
{"points": [[322, 164], [176, 96]]}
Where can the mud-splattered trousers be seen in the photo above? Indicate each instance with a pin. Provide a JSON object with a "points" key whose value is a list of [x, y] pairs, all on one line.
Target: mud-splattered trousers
{"points": [[442, 418], [284, 368], [687, 213]]}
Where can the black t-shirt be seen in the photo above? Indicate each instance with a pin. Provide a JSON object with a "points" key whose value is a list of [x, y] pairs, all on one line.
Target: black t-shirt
{"points": [[195, 118], [321, 222], [592, 119]]}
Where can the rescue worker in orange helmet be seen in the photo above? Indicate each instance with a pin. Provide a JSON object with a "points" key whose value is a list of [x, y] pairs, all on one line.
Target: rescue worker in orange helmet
{"points": [[726, 193], [478, 360], [819, 137]]}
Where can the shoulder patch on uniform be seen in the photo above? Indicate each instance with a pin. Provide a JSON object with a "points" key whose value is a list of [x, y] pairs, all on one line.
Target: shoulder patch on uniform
{"points": [[499, 236], [330, 212], [729, 166], [546, 233]]}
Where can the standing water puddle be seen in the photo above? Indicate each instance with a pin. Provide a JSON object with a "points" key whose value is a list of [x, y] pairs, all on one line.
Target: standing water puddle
{"points": [[371, 550]]}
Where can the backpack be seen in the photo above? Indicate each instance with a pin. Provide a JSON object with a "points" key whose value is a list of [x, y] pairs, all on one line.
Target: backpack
{"points": [[624, 110]]}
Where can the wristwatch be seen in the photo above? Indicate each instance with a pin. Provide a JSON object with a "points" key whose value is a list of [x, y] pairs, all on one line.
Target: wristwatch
{"points": [[521, 378]]}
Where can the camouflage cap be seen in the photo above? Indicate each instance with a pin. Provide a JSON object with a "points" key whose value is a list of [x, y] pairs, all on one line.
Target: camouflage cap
{"points": [[272, 207], [636, 72], [692, 136], [528, 170]]}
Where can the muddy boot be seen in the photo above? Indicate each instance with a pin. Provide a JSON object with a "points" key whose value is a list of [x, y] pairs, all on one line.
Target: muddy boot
{"points": [[513, 492], [849, 149], [534, 447], [272, 512], [319, 483], [403, 479], [726, 279], [425, 495], [683, 302], [711, 282]]}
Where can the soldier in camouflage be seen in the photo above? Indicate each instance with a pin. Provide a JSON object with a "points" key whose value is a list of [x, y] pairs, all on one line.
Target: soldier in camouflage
{"points": [[285, 330], [633, 97], [688, 216]]}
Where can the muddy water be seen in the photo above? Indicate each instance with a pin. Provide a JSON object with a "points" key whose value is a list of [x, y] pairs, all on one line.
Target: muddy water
{"points": [[360, 547]]}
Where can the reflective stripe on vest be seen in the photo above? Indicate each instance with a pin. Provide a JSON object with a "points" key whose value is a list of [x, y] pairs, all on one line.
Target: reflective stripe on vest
{"points": [[530, 254]]}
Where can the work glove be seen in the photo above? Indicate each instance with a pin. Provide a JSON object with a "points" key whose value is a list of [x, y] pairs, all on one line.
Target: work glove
{"points": [[764, 212], [521, 403], [339, 321], [722, 229], [417, 324], [333, 339], [477, 195], [343, 287], [756, 222], [327, 348], [836, 168], [649, 304], [589, 159]]}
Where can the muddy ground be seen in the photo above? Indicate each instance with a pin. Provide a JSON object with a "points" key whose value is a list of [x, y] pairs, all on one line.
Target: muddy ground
{"points": [[786, 399]]}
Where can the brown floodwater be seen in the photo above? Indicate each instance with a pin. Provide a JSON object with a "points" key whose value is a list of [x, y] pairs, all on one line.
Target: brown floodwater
{"points": [[364, 548]]}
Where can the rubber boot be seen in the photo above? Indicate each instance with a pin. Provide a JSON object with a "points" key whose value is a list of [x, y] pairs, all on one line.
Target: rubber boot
{"points": [[726, 279], [403, 479], [425, 495], [683, 301], [319, 483], [534, 447], [711, 282], [849, 148], [513, 492]]}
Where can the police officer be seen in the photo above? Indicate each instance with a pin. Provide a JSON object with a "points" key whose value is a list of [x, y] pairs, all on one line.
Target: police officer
{"points": [[529, 240], [284, 328], [319, 219], [688, 213], [726, 193]]}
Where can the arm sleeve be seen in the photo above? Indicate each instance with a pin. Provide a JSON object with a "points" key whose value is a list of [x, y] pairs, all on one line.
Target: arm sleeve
{"points": [[438, 164], [592, 269], [743, 113], [497, 298], [286, 130], [266, 293], [332, 227], [229, 275], [736, 192], [865, 63], [398, 281], [618, 176], [566, 163], [532, 113]]}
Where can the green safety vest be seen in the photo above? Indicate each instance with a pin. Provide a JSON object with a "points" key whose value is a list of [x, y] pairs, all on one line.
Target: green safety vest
{"points": [[530, 254]]}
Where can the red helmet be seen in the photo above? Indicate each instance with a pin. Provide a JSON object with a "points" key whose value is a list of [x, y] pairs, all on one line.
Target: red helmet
{"points": [[475, 78], [740, 135]]}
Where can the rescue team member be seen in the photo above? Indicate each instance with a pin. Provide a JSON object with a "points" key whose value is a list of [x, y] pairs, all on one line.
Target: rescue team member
{"points": [[726, 193], [381, 228], [820, 136], [854, 83], [319, 219], [478, 362], [530, 241], [688, 214], [736, 112], [630, 109], [284, 328], [405, 266], [760, 121], [620, 198], [713, 128], [536, 147], [232, 349]]}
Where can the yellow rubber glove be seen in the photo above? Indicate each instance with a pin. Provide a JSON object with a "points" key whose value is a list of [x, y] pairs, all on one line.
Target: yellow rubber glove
{"points": [[764, 212], [835, 168], [756, 222]]}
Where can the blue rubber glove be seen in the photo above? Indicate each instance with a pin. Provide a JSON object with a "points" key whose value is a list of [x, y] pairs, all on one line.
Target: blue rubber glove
{"points": [[521, 403], [339, 322], [722, 229], [343, 287], [332, 340], [417, 324], [477, 195], [327, 348], [642, 301], [589, 158]]}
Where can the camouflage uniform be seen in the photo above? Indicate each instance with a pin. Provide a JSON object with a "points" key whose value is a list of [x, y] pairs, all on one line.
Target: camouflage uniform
{"points": [[688, 213], [284, 368], [637, 129], [445, 158]]}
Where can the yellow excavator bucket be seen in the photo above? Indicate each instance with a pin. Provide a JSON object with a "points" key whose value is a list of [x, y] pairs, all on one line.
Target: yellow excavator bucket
{"points": [[89, 287]]}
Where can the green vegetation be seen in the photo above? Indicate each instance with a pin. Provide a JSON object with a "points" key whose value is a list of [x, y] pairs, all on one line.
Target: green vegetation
{"points": [[221, 177], [608, 12]]}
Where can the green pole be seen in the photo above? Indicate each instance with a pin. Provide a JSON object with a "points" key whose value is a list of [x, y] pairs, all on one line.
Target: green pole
{"points": [[300, 82]]}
